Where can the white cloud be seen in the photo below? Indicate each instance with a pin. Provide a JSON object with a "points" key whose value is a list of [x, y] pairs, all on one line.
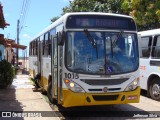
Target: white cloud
{"points": [[26, 36]]}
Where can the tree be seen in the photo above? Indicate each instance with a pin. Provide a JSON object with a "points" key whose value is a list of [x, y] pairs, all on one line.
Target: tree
{"points": [[145, 12], [110, 6], [94, 6], [54, 19], [7, 73]]}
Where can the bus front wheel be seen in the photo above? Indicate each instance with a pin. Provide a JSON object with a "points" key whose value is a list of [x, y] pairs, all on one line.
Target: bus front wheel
{"points": [[154, 89]]}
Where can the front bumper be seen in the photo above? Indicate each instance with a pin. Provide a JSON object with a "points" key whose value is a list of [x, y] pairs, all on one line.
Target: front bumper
{"points": [[71, 99]]}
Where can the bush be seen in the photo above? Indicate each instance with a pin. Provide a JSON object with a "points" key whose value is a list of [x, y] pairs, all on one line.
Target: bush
{"points": [[7, 73]]}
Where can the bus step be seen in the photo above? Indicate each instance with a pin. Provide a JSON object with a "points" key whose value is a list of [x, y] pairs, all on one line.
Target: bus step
{"points": [[37, 89]]}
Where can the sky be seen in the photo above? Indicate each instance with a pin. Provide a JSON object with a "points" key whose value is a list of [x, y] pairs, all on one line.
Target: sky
{"points": [[38, 17]]}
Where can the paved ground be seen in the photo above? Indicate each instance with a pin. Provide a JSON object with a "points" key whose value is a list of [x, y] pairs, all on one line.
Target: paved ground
{"points": [[19, 97]]}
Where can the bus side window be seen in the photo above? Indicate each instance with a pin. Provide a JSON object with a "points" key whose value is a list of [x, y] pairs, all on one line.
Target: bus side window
{"points": [[46, 44], [29, 49], [146, 46], [32, 48], [49, 44], [156, 47]]}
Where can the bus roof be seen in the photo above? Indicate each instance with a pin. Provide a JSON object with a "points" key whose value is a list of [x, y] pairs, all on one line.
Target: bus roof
{"points": [[96, 13], [149, 32], [65, 16]]}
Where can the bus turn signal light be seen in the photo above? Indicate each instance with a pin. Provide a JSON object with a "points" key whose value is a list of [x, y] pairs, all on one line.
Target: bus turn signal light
{"points": [[66, 81]]}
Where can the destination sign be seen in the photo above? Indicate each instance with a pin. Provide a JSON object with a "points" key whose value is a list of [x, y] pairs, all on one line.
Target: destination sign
{"points": [[99, 21]]}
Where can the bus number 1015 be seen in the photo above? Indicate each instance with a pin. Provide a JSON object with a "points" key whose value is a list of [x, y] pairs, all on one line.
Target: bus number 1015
{"points": [[71, 75]]}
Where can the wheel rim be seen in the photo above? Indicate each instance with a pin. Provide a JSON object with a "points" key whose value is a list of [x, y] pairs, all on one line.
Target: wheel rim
{"points": [[156, 90]]}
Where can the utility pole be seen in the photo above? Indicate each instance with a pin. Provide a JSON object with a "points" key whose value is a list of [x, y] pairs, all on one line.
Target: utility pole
{"points": [[17, 53]]}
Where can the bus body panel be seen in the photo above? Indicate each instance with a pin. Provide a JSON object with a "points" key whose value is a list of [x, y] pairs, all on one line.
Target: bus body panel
{"points": [[46, 70], [33, 67], [146, 70], [60, 73]]}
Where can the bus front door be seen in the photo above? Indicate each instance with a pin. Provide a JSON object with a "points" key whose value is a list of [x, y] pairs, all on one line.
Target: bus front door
{"points": [[54, 68], [56, 71]]}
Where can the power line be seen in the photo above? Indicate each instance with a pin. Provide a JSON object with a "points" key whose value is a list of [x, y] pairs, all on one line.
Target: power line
{"points": [[21, 20], [24, 12]]}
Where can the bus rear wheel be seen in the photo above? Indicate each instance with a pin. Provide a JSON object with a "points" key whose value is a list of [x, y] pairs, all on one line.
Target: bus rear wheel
{"points": [[154, 89]]}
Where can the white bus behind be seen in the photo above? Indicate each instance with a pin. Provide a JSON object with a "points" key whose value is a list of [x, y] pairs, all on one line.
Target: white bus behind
{"points": [[150, 62]]}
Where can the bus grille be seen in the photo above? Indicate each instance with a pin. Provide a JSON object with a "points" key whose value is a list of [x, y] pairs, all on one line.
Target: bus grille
{"points": [[104, 97], [104, 81], [100, 90]]}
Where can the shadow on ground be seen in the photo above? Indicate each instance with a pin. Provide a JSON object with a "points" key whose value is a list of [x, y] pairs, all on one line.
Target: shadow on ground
{"points": [[8, 103]]}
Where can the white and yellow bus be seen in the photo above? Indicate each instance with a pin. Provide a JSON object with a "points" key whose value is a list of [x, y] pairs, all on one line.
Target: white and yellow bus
{"points": [[87, 59], [150, 62]]}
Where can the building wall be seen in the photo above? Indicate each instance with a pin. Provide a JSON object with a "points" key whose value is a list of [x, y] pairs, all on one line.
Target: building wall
{"points": [[23, 63], [9, 54]]}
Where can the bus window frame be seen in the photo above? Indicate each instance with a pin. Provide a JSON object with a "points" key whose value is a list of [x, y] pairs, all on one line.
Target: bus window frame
{"points": [[149, 45], [154, 45], [46, 44]]}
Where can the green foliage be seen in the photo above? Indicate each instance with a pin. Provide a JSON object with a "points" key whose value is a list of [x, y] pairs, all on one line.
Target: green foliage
{"points": [[54, 19], [145, 12], [112, 6], [7, 73]]}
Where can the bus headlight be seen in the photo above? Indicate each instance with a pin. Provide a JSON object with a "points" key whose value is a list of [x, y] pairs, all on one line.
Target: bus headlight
{"points": [[73, 86], [133, 85]]}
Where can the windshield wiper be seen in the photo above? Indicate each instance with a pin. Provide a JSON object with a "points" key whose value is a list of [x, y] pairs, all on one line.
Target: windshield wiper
{"points": [[91, 40], [114, 43]]}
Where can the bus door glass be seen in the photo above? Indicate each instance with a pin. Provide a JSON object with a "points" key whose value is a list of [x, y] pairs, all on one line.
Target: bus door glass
{"points": [[55, 67], [54, 63], [57, 71]]}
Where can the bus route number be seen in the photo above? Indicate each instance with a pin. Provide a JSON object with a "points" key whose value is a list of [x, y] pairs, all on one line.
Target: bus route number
{"points": [[71, 75]]}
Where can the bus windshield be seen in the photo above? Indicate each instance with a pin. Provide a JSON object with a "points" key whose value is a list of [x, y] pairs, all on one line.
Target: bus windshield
{"points": [[91, 52]]}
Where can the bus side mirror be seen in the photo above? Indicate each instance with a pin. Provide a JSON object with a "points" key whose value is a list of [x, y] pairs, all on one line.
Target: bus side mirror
{"points": [[61, 38]]}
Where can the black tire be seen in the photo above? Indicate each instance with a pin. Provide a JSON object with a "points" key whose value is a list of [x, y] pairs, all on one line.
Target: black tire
{"points": [[154, 89], [49, 90]]}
